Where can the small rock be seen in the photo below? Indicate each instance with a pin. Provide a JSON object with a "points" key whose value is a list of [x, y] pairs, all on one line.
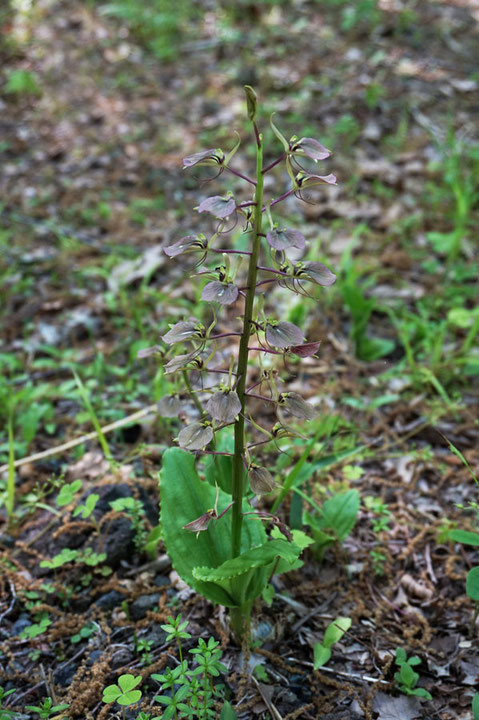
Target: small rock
{"points": [[142, 604], [63, 676], [19, 625], [110, 600]]}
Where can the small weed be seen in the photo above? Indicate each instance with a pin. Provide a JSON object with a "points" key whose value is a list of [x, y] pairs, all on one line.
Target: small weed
{"points": [[406, 678]]}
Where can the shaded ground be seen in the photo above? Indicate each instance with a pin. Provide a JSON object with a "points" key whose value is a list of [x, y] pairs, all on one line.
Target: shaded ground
{"points": [[91, 179]]}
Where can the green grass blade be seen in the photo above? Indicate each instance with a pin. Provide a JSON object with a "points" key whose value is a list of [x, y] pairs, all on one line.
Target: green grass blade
{"points": [[101, 437]]}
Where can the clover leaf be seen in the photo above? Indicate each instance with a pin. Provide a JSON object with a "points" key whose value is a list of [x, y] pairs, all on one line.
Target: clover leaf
{"points": [[123, 693]]}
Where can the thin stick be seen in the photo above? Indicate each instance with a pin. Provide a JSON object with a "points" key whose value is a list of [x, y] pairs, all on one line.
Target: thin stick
{"points": [[78, 441]]}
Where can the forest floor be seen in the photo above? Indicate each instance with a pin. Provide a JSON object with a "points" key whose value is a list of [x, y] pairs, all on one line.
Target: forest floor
{"points": [[96, 115]]}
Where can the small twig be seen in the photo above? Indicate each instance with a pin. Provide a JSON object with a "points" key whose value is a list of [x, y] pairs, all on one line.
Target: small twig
{"points": [[78, 441], [353, 676], [12, 601]]}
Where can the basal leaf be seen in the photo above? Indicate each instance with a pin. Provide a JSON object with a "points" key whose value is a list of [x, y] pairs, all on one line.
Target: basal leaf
{"points": [[256, 557], [339, 513], [472, 584], [464, 536], [184, 497]]}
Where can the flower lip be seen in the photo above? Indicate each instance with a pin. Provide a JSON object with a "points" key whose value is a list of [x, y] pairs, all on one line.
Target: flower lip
{"points": [[285, 238], [169, 406], [260, 479], [146, 352], [305, 349], [306, 180], [316, 272], [224, 406], [180, 361], [218, 205], [283, 334], [212, 156], [225, 293], [189, 243], [309, 147], [183, 330], [297, 406], [201, 523], [195, 436]]}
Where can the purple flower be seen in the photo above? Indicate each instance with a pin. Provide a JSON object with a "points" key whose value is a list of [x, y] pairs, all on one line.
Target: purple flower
{"points": [[316, 272], [189, 243], [224, 405], [169, 406], [283, 334], [201, 523], [285, 238], [296, 406], [195, 436], [306, 349], [219, 206], [305, 180], [225, 293], [146, 352], [184, 330], [181, 361], [309, 148], [260, 479], [213, 156]]}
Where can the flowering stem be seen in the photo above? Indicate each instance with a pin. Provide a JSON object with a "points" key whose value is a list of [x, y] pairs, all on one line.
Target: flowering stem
{"points": [[238, 469]]}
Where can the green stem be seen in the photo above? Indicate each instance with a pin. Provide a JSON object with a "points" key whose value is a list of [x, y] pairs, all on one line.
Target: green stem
{"points": [[238, 469]]}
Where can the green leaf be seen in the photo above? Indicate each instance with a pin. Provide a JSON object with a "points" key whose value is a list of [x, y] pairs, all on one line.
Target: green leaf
{"points": [[472, 584], [227, 712], [184, 497], [128, 682], [219, 468], [321, 655], [339, 513], [111, 693], [254, 558], [475, 706], [335, 630], [464, 536]]}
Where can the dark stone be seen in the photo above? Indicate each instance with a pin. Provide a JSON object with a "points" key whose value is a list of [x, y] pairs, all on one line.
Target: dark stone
{"points": [[19, 625], [161, 581], [110, 600], [121, 657], [140, 607], [118, 543], [93, 657], [63, 676]]}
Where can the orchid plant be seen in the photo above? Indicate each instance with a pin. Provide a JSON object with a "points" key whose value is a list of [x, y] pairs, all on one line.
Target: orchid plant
{"points": [[214, 534]]}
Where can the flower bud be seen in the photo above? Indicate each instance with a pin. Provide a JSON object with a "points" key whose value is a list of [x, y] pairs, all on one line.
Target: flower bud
{"points": [[251, 102]]}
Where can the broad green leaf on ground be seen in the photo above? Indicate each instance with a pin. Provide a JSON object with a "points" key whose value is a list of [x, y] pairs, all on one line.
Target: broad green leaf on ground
{"points": [[464, 536], [185, 497]]}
